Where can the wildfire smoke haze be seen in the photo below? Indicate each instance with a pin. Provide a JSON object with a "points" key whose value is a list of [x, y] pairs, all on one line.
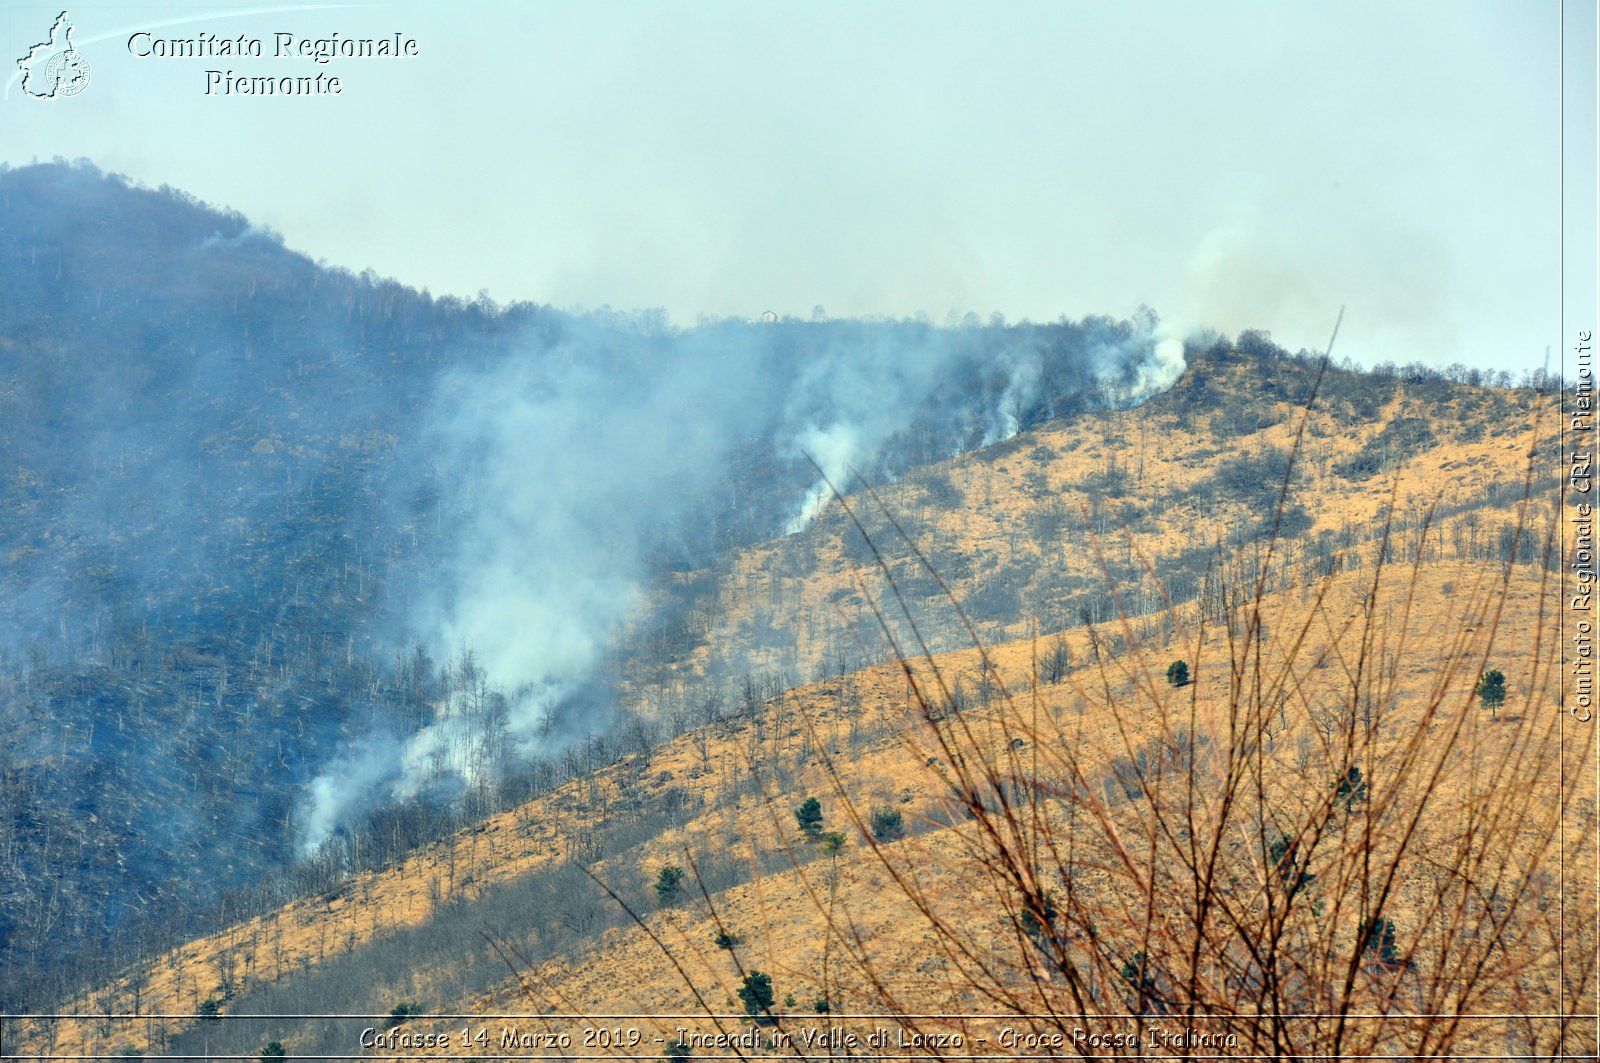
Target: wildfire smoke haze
{"points": [[566, 469]]}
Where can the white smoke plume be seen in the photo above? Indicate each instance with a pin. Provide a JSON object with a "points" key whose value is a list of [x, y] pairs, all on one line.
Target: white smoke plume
{"points": [[834, 450], [1144, 362], [1022, 388], [1161, 371], [563, 470]]}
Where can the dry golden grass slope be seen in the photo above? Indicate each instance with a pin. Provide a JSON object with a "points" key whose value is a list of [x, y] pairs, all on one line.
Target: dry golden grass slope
{"points": [[1122, 861], [1011, 528], [1470, 819]]}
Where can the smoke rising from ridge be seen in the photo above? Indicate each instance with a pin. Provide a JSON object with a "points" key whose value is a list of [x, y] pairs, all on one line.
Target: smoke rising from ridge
{"points": [[568, 470]]}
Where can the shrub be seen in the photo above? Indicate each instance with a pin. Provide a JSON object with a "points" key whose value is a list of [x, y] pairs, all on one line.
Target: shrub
{"points": [[669, 881], [756, 994], [1039, 919], [887, 823], [725, 940], [1492, 691], [400, 1013], [1281, 856], [273, 1050], [1137, 975], [1377, 936], [1351, 789], [809, 817], [1178, 673]]}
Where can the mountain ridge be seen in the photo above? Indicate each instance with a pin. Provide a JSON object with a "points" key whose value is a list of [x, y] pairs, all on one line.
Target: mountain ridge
{"points": [[264, 659], [244, 489]]}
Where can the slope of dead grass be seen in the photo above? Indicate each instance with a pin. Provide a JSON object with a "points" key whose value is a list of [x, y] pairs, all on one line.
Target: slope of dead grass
{"points": [[924, 926], [910, 918], [888, 949], [1144, 481]]}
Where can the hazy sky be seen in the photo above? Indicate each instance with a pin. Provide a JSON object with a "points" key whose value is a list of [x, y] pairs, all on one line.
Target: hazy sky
{"points": [[1232, 165]]}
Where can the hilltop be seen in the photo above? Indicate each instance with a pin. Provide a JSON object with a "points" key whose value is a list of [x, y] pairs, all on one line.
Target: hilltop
{"points": [[1164, 490]]}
